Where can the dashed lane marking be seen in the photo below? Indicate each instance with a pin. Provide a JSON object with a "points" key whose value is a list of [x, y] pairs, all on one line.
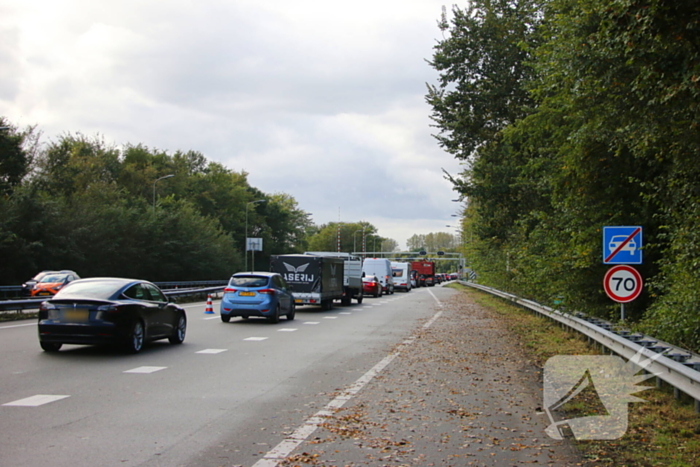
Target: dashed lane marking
{"points": [[146, 369], [212, 351], [35, 401], [255, 339]]}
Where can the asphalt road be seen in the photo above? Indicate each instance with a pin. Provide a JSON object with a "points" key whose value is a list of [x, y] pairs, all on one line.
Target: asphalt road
{"points": [[227, 396]]}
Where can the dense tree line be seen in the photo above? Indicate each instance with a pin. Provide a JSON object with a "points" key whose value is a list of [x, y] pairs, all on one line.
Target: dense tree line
{"points": [[571, 115], [78, 203], [349, 237]]}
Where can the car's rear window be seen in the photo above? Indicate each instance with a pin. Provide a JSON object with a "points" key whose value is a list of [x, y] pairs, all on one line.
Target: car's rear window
{"points": [[249, 281], [101, 290]]}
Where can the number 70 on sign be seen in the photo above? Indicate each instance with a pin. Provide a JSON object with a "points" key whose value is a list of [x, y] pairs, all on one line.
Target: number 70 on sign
{"points": [[623, 283]]}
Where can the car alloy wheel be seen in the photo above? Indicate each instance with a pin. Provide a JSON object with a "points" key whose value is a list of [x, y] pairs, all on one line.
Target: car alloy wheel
{"points": [[136, 337], [179, 333]]}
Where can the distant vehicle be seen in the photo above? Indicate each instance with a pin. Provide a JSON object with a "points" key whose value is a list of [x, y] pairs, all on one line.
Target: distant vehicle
{"points": [[315, 280], [372, 286], [352, 274], [415, 281], [426, 272], [264, 294], [617, 240], [28, 286], [381, 268], [52, 282], [402, 275], [110, 311]]}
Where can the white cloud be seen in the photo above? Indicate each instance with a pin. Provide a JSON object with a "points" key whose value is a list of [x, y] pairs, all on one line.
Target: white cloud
{"points": [[324, 101]]}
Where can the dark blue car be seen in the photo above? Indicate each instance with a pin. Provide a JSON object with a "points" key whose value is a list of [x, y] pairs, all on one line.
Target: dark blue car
{"points": [[264, 294]]}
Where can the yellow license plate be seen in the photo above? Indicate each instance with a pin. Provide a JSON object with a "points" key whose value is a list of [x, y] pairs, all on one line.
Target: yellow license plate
{"points": [[247, 294], [76, 315], [298, 301]]}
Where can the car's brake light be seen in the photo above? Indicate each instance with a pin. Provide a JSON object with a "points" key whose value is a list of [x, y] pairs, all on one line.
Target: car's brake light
{"points": [[230, 290], [108, 308], [46, 306], [267, 291]]}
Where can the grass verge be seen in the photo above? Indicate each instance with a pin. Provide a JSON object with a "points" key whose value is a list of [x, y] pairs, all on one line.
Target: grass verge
{"points": [[662, 431]]}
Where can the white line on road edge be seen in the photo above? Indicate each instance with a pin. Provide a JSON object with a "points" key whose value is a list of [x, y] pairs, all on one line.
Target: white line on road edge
{"points": [[283, 449], [18, 325], [439, 303]]}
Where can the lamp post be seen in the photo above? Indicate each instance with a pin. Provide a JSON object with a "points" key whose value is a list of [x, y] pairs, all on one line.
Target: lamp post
{"points": [[154, 187], [245, 250], [354, 246]]}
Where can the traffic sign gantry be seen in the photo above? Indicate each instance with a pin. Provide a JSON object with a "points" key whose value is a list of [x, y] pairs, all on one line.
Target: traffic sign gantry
{"points": [[623, 283]]}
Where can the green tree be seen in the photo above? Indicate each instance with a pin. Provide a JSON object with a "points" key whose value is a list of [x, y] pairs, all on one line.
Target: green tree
{"points": [[484, 69], [17, 151]]}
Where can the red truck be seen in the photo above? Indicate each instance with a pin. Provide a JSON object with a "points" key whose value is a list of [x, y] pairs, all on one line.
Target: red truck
{"points": [[425, 271]]}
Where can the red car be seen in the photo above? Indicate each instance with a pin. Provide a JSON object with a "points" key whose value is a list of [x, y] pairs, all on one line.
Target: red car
{"points": [[371, 286]]}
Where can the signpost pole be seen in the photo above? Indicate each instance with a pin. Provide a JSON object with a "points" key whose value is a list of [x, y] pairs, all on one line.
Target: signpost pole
{"points": [[622, 312]]}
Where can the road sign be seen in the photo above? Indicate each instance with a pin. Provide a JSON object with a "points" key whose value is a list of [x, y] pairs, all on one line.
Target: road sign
{"points": [[254, 244], [622, 245], [622, 283]]}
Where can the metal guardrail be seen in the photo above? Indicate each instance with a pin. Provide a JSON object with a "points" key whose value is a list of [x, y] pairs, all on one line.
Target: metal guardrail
{"points": [[677, 367], [31, 304]]}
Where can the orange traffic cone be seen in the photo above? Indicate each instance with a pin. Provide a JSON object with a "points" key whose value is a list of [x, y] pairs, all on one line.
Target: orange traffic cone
{"points": [[209, 310]]}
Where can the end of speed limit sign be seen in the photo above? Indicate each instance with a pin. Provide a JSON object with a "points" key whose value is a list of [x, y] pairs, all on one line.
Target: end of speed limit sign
{"points": [[622, 283]]}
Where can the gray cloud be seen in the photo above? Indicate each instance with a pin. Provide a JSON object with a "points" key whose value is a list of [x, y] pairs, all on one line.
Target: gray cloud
{"points": [[321, 101]]}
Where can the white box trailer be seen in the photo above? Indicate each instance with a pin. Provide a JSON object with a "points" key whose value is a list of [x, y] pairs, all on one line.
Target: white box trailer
{"points": [[352, 278], [402, 275]]}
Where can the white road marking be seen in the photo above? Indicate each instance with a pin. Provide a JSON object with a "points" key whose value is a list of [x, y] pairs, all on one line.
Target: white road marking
{"points": [[146, 369], [210, 317], [212, 351], [35, 401], [285, 448], [287, 330], [255, 338], [18, 325], [345, 313], [312, 322], [330, 317]]}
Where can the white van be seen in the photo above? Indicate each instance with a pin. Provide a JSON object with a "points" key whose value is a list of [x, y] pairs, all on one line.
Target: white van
{"points": [[402, 275], [380, 267]]}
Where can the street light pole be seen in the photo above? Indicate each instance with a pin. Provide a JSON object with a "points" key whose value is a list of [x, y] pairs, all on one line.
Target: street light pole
{"points": [[245, 249], [154, 188], [354, 245]]}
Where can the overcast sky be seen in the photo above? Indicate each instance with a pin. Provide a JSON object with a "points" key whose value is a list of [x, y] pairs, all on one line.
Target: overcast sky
{"points": [[324, 101]]}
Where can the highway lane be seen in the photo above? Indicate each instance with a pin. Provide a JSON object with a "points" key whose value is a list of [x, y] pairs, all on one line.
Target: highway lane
{"points": [[226, 396]]}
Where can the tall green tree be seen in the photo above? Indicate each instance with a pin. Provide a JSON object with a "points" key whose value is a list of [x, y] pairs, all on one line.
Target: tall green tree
{"points": [[483, 68], [17, 151]]}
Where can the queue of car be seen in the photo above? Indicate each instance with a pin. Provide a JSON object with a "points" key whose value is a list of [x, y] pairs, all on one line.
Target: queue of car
{"points": [[130, 312]]}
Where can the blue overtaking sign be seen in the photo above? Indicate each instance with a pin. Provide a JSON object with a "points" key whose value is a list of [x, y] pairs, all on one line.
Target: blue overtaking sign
{"points": [[622, 245]]}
